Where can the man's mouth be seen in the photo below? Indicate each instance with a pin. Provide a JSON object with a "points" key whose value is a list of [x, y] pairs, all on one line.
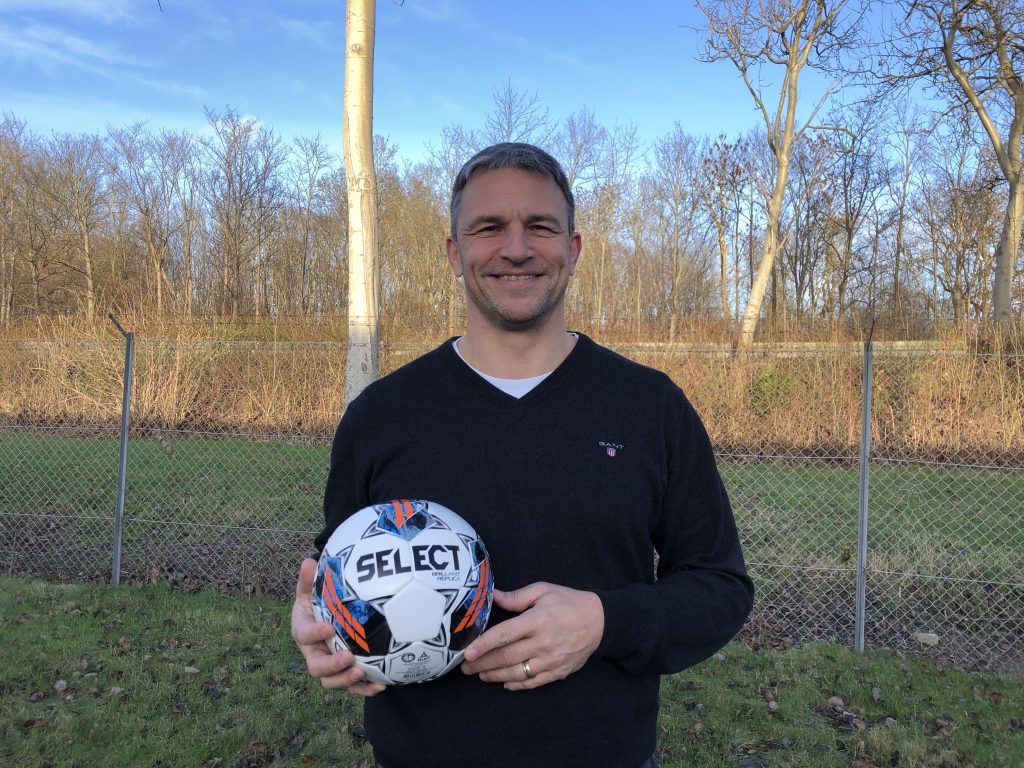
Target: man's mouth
{"points": [[513, 278]]}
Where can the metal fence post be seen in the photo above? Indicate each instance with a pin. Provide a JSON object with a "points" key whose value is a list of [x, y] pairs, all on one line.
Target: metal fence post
{"points": [[122, 466], [862, 526]]}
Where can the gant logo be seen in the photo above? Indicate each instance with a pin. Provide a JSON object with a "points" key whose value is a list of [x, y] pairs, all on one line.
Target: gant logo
{"points": [[610, 448]]}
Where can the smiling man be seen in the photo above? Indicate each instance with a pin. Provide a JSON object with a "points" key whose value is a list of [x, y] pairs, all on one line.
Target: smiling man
{"points": [[576, 466]]}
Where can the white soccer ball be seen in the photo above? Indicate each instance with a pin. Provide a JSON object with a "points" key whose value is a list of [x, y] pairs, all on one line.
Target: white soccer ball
{"points": [[407, 585]]}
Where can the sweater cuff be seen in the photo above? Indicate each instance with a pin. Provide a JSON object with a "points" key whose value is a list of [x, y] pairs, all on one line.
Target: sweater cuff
{"points": [[623, 626]]}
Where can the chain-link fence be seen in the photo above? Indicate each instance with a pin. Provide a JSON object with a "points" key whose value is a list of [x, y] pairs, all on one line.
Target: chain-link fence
{"points": [[229, 443]]}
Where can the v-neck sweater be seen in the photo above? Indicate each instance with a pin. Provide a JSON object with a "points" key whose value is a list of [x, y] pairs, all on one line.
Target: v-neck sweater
{"points": [[579, 483]]}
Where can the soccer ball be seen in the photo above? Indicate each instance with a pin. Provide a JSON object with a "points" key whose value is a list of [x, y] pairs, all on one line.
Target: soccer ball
{"points": [[407, 586]]}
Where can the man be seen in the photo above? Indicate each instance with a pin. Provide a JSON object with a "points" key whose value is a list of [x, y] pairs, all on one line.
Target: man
{"points": [[575, 466]]}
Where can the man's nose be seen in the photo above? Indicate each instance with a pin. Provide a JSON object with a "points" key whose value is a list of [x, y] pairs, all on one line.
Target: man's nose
{"points": [[516, 246]]}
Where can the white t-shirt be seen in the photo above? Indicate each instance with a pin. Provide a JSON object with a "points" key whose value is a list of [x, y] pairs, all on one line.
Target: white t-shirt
{"points": [[515, 387]]}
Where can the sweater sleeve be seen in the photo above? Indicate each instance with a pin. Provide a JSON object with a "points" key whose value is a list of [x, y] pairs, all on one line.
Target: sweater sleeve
{"points": [[702, 594], [344, 492]]}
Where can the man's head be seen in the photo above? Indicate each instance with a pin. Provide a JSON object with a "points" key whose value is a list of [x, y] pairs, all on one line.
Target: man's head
{"points": [[522, 157], [513, 242]]}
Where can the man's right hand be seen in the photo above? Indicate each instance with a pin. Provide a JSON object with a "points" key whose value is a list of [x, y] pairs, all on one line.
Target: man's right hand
{"points": [[333, 669]]}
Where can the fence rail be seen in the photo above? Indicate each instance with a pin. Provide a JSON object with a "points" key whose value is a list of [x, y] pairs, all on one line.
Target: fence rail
{"points": [[228, 446]]}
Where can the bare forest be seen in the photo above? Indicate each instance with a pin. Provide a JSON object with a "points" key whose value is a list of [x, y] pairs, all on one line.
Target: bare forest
{"points": [[889, 213]]}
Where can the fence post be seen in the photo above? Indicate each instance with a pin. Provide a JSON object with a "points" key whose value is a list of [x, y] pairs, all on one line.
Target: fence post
{"points": [[122, 465], [862, 526]]}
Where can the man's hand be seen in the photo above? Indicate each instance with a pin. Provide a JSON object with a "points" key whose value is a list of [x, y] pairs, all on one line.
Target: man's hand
{"points": [[556, 631], [334, 670]]}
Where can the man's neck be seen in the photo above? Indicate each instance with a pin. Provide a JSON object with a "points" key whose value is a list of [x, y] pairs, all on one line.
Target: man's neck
{"points": [[515, 355]]}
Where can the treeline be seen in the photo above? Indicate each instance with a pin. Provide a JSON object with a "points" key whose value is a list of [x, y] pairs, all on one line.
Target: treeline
{"points": [[886, 224]]}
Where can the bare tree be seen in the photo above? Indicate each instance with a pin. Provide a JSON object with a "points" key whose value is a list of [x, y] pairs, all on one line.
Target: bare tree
{"points": [[783, 33], [76, 197], [972, 52], [721, 181], [144, 176], [676, 228], [314, 160], [602, 200], [180, 152], [905, 154], [811, 212], [12, 159], [244, 194], [959, 207], [517, 116], [363, 328]]}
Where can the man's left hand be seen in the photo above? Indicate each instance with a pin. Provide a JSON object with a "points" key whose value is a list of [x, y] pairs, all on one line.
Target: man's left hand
{"points": [[556, 631]]}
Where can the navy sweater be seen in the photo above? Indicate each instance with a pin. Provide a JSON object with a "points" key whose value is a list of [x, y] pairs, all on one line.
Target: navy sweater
{"points": [[578, 483]]}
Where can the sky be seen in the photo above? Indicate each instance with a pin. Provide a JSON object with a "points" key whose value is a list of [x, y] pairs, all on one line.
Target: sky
{"points": [[78, 66]]}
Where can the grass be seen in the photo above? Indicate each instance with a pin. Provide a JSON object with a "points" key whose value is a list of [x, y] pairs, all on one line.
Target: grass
{"points": [[944, 557], [98, 676], [214, 482], [236, 481]]}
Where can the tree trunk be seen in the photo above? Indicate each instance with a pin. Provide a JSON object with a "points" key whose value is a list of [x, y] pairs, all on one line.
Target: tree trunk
{"points": [[1006, 256], [723, 282], [363, 331], [765, 268], [90, 287]]}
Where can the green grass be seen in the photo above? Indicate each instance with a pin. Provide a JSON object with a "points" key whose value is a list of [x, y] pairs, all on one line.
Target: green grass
{"points": [[225, 481], [209, 481], [944, 548], [98, 676]]}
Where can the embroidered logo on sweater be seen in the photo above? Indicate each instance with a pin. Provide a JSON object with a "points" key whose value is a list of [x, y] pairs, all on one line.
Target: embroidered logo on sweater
{"points": [[610, 448]]}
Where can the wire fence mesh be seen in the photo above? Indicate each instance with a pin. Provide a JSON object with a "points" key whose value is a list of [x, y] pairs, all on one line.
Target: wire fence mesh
{"points": [[229, 444]]}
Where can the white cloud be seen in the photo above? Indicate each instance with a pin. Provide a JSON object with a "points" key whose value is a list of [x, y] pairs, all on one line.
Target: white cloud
{"points": [[321, 33], [106, 11], [195, 93], [71, 48]]}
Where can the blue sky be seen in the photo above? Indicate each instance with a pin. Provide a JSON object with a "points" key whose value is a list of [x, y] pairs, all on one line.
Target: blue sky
{"points": [[79, 65]]}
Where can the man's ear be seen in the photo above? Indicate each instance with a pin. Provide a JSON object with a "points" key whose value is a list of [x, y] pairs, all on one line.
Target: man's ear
{"points": [[575, 248], [451, 248]]}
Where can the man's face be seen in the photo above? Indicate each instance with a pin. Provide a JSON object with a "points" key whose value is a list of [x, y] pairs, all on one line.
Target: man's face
{"points": [[513, 248]]}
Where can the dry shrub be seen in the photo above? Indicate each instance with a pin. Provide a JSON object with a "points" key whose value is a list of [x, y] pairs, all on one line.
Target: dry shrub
{"points": [[796, 401], [57, 381], [788, 402], [950, 405]]}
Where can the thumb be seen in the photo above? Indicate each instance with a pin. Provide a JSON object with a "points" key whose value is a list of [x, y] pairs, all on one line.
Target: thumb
{"points": [[307, 572]]}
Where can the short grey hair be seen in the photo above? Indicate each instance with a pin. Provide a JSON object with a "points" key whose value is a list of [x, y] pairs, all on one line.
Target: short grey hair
{"points": [[522, 157]]}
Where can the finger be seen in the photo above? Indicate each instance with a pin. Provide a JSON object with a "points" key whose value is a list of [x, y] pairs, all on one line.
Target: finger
{"points": [[309, 631], [353, 680], [367, 689], [537, 676], [500, 660], [324, 666], [498, 636], [530, 683], [518, 600], [514, 672]]}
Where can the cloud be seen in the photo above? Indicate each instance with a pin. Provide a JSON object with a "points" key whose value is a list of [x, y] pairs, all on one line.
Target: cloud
{"points": [[195, 93], [66, 47], [321, 33], [106, 11]]}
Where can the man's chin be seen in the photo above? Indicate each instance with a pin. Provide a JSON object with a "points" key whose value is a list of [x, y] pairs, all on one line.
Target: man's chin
{"points": [[511, 323], [526, 321]]}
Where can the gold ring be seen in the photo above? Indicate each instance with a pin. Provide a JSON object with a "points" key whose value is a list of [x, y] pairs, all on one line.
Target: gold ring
{"points": [[526, 669]]}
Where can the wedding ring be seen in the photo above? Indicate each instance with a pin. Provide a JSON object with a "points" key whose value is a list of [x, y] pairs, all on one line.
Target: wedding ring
{"points": [[526, 669]]}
